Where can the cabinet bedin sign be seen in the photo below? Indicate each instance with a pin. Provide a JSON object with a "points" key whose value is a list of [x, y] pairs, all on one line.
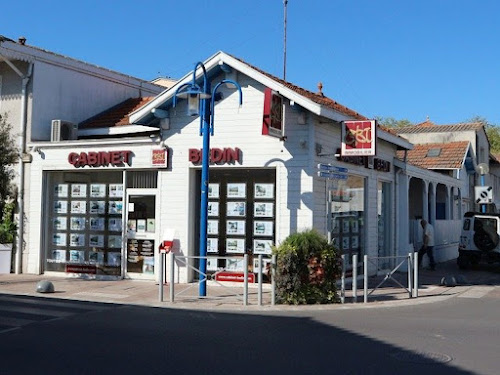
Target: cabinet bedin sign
{"points": [[100, 159]]}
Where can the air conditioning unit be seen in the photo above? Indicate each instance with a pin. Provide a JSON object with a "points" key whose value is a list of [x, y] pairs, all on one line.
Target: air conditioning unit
{"points": [[63, 131]]}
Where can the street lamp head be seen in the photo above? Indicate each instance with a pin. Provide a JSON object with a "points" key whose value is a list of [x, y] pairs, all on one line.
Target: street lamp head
{"points": [[193, 94], [193, 107]]}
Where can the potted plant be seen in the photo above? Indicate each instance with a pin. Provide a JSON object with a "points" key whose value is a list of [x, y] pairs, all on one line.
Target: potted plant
{"points": [[307, 269]]}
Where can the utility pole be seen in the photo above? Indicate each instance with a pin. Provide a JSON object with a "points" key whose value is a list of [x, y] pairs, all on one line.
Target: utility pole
{"points": [[285, 3]]}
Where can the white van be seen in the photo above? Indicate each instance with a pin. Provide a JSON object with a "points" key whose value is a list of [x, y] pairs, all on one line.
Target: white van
{"points": [[480, 239]]}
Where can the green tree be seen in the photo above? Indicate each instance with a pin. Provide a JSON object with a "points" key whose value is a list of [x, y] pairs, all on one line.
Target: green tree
{"points": [[390, 122], [492, 132], [8, 156]]}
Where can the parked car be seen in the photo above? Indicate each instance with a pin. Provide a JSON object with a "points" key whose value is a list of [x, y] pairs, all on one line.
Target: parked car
{"points": [[480, 239]]}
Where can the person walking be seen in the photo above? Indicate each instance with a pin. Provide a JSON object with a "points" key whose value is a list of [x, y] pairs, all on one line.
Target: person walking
{"points": [[428, 244]]}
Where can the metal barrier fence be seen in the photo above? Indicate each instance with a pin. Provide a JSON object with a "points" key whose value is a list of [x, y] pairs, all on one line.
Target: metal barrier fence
{"points": [[185, 261], [412, 269]]}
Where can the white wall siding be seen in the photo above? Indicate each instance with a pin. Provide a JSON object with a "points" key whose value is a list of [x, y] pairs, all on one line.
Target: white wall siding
{"points": [[72, 95]]}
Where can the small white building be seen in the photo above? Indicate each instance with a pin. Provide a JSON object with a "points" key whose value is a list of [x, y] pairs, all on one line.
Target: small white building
{"points": [[104, 202], [45, 95]]}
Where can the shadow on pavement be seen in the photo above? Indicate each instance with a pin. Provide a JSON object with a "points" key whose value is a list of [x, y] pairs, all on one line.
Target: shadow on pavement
{"points": [[144, 340]]}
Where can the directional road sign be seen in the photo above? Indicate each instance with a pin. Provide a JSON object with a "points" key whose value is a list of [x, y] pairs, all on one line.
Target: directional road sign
{"points": [[332, 168], [332, 175]]}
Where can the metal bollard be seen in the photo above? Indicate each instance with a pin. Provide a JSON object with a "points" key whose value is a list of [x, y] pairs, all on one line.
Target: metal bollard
{"points": [[365, 279], [172, 276], [273, 280], [415, 274], [160, 277], [260, 280], [342, 280], [410, 275], [245, 275], [355, 278]]}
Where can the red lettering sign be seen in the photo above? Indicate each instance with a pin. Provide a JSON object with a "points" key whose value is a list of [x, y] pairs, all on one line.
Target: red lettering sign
{"points": [[81, 268], [194, 156], [217, 155], [101, 158]]}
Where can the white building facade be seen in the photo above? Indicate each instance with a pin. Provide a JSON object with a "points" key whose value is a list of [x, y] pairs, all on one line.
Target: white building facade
{"points": [[104, 205], [37, 87]]}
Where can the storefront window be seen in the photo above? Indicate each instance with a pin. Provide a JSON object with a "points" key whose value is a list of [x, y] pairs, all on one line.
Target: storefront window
{"points": [[383, 214], [84, 222], [241, 218], [347, 210]]}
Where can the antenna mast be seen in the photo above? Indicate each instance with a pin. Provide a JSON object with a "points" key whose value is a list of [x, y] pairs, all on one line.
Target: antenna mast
{"points": [[285, 3]]}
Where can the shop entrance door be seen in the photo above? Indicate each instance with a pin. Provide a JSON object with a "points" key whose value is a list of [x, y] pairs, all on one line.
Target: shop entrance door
{"points": [[142, 237]]}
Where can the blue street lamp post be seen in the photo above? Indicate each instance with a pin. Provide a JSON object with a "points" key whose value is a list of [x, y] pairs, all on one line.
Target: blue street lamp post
{"points": [[197, 95], [483, 206]]}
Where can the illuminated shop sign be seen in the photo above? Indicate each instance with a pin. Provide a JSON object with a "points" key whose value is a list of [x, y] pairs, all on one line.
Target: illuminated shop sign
{"points": [[217, 155], [100, 159]]}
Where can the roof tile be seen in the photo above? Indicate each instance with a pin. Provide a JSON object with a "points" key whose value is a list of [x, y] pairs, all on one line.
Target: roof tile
{"points": [[430, 127], [115, 116], [451, 156]]}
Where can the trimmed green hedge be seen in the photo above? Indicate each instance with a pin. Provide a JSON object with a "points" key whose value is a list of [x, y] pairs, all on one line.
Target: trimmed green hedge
{"points": [[307, 270]]}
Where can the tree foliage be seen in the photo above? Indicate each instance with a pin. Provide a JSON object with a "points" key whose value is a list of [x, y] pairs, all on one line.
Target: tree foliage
{"points": [[492, 132], [390, 122], [8, 156]]}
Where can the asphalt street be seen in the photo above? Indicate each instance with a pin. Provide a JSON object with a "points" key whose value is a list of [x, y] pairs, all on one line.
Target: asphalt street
{"points": [[457, 336]]}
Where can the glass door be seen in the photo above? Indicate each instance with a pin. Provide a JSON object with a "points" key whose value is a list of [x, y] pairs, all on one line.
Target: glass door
{"points": [[142, 239]]}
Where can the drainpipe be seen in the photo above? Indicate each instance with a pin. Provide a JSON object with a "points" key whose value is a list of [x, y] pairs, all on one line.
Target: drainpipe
{"points": [[22, 147]]}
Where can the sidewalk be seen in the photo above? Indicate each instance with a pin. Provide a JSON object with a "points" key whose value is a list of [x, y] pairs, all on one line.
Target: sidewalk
{"points": [[146, 293]]}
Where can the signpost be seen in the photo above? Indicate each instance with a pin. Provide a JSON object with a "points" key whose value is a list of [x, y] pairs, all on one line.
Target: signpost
{"points": [[332, 172]]}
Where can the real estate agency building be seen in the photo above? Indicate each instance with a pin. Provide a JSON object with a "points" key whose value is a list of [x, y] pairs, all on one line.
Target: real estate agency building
{"points": [[106, 200]]}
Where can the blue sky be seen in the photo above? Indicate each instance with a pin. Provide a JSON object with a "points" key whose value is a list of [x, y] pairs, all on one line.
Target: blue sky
{"points": [[391, 58]]}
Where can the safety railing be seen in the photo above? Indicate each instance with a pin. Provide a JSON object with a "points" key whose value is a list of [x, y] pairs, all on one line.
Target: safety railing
{"points": [[186, 261], [411, 261]]}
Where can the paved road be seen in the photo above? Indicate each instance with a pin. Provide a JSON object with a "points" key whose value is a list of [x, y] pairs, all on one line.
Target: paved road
{"points": [[456, 336], [19, 311]]}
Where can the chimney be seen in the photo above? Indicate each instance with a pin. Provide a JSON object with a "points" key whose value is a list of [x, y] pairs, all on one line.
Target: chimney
{"points": [[320, 88], [22, 40]]}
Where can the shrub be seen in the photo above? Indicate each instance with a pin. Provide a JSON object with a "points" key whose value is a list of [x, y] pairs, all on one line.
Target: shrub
{"points": [[307, 269], [8, 226]]}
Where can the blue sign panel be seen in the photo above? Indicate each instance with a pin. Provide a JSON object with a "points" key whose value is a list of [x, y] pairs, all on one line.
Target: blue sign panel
{"points": [[332, 168], [332, 175]]}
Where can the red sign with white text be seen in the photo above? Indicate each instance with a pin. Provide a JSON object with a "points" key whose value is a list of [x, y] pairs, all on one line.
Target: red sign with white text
{"points": [[159, 158], [358, 138], [234, 276]]}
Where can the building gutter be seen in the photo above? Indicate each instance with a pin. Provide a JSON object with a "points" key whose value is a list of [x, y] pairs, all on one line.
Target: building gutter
{"points": [[22, 152]]}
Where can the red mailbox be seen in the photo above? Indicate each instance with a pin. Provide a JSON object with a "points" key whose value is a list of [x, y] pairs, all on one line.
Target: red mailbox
{"points": [[165, 246]]}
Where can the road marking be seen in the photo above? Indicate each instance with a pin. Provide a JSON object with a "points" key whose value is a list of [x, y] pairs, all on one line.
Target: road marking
{"points": [[37, 311], [17, 312], [103, 295], [477, 292], [48, 302]]}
